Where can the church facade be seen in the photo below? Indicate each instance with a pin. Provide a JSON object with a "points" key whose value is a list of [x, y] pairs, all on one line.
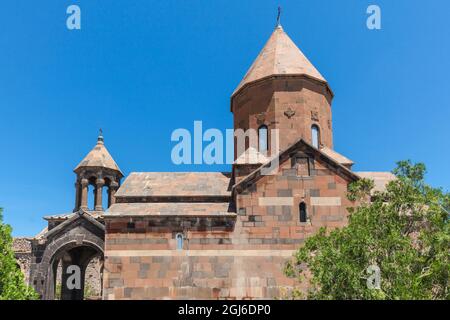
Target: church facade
{"points": [[211, 235]]}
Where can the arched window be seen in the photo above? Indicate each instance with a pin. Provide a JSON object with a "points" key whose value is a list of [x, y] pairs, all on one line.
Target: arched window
{"points": [[179, 237], [263, 137], [315, 136], [303, 212]]}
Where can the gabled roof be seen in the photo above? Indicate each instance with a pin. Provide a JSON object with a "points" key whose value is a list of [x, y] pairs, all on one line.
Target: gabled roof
{"points": [[337, 156], [251, 156], [65, 216], [98, 157], [280, 56], [284, 155], [41, 233], [175, 184], [78, 215]]}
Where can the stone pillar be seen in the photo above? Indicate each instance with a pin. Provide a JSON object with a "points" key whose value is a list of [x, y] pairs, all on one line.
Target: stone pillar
{"points": [[77, 196], [84, 193], [98, 194], [112, 193]]}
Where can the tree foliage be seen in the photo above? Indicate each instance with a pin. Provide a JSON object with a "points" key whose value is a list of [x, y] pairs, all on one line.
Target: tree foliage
{"points": [[12, 283], [404, 231]]}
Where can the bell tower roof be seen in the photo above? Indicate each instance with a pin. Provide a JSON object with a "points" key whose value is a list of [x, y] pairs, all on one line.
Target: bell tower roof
{"points": [[99, 157], [280, 56]]}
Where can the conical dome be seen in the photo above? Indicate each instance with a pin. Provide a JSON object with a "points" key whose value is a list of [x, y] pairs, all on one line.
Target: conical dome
{"points": [[280, 56], [98, 157]]}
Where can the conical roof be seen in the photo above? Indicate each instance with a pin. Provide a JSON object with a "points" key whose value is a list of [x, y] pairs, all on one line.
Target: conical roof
{"points": [[98, 157], [280, 56]]}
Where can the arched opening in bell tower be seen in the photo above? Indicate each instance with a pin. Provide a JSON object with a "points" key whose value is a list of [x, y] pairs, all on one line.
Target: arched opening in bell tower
{"points": [[91, 193]]}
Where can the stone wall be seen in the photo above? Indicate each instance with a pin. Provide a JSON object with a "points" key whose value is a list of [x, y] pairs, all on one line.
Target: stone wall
{"points": [[22, 252], [244, 260], [290, 105], [269, 208], [212, 264]]}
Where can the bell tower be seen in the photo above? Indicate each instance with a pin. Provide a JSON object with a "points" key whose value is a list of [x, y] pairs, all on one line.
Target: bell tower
{"points": [[99, 170], [283, 90]]}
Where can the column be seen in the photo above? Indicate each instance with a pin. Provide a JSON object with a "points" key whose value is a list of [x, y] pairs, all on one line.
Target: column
{"points": [[98, 194], [84, 194], [112, 192], [77, 196]]}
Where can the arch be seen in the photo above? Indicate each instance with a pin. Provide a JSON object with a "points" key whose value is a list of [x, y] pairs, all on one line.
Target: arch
{"points": [[73, 262], [76, 251], [315, 136], [303, 212], [263, 139]]}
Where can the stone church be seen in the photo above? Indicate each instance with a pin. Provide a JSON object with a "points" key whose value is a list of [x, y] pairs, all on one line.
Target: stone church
{"points": [[209, 235]]}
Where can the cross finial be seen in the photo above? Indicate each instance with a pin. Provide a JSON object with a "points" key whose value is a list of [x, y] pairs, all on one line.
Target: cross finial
{"points": [[100, 136], [279, 17]]}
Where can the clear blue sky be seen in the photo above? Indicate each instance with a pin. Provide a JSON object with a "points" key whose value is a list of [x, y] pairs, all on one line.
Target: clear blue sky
{"points": [[140, 69]]}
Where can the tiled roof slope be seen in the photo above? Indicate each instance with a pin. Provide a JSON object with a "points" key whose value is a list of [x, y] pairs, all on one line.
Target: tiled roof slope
{"points": [[336, 156], [251, 156], [162, 184], [170, 209], [98, 157]]}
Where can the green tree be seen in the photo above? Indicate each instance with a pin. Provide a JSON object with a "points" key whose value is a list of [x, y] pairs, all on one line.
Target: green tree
{"points": [[12, 283], [403, 231]]}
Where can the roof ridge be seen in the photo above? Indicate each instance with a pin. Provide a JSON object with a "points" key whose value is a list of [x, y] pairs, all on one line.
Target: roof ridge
{"points": [[277, 42]]}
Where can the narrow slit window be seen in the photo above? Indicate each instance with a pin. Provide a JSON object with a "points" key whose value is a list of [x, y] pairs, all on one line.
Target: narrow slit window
{"points": [[303, 212], [180, 239], [263, 139], [315, 136]]}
